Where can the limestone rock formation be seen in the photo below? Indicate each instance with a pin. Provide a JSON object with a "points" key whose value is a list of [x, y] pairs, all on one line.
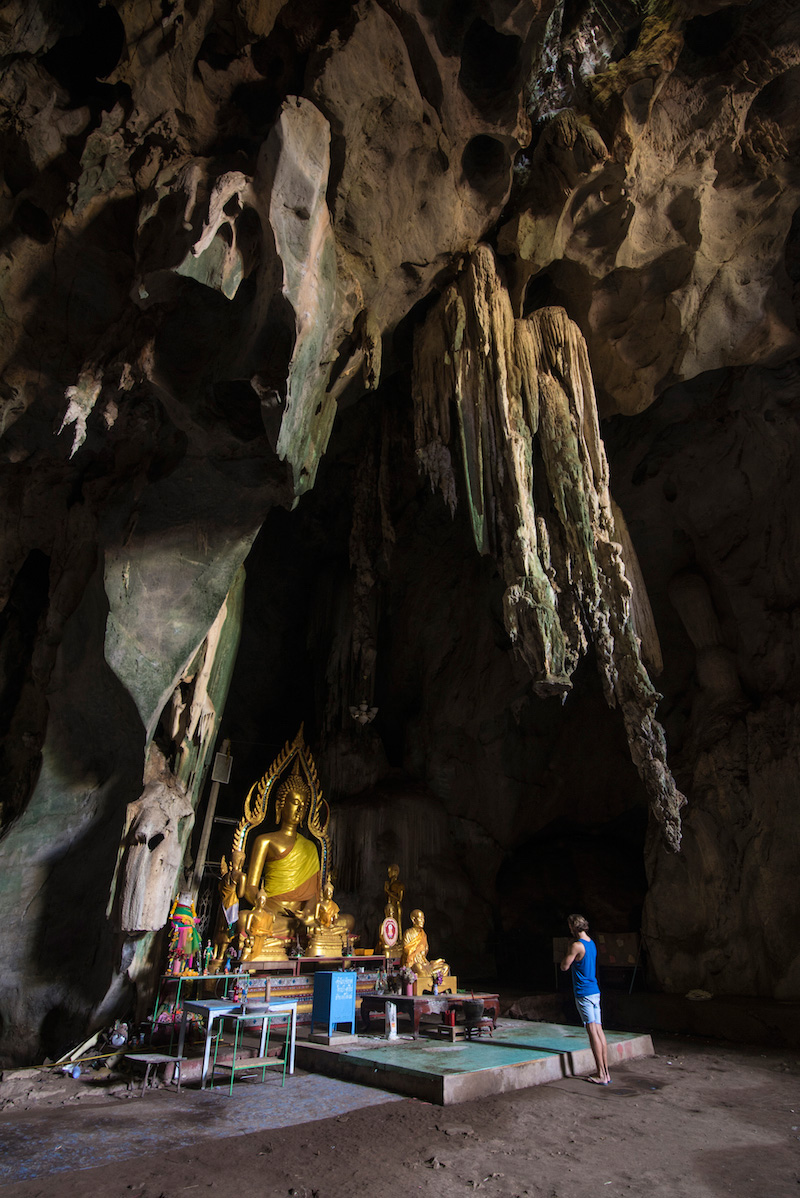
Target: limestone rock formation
{"points": [[630, 206], [537, 482], [154, 854], [225, 227]]}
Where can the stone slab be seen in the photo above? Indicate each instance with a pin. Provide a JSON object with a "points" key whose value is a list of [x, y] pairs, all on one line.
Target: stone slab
{"points": [[438, 1073], [519, 1055], [342, 1039], [571, 1043]]}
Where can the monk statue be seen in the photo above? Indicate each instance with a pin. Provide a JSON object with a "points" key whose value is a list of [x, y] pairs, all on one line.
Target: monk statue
{"points": [[284, 863], [255, 940], [327, 928], [415, 949], [394, 890]]}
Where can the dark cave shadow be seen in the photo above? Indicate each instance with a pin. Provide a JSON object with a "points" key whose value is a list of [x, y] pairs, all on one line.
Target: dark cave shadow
{"points": [[99, 737], [768, 1169], [79, 294]]}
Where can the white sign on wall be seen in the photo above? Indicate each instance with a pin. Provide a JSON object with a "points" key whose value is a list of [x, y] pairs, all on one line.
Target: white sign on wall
{"points": [[221, 772]]}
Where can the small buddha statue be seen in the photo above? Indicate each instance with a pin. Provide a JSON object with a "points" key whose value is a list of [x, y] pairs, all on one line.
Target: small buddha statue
{"points": [[255, 940], [327, 928], [415, 949]]}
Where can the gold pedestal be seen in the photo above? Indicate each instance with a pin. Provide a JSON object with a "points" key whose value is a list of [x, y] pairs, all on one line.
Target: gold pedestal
{"points": [[425, 982], [272, 950], [325, 943]]}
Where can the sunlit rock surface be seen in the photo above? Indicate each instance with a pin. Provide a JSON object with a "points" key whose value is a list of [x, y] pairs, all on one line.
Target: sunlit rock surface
{"points": [[232, 233]]}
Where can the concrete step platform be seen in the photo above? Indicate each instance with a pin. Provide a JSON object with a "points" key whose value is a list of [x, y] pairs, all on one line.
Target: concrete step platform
{"points": [[519, 1054]]}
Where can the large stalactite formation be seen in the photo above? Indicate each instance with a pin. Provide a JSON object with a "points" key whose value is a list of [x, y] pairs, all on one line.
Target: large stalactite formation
{"points": [[247, 246], [523, 393]]}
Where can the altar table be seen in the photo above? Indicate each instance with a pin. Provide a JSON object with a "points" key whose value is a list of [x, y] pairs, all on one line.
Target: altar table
{"points": [[217, 1008], [426, 1004], [263, 1014]]}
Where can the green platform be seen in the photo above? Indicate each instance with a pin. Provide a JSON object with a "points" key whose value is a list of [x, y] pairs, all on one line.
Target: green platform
{"points": [[519, 1054], [553, 1037]]}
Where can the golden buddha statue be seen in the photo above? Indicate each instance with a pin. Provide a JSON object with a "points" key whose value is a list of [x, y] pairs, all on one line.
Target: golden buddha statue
{"points": [[328, 929], [286, 867], [394, 890], [255, 940], [415, 949], [284, 863]]}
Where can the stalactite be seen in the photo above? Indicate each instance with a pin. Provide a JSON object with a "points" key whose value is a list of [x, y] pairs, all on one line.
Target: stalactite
{"points": [[538, 492]]}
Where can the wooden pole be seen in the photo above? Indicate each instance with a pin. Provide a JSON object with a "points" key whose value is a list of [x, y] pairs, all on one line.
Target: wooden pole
{"points": [[202, 848]]}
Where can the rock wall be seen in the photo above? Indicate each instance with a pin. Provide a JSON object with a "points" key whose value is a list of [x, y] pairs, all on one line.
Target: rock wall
{"points": [[221, 225], [722, 561]]}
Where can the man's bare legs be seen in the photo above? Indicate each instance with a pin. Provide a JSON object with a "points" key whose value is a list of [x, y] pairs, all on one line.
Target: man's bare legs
{"points": [[597, 1041]]}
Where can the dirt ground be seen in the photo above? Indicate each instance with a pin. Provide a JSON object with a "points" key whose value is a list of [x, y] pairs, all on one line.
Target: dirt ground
{"points": [[699, 1120]]}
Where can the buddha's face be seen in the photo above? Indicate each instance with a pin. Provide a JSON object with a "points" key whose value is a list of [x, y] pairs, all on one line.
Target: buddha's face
{"points": [[294, 806], [418, 919], [327, 890]]}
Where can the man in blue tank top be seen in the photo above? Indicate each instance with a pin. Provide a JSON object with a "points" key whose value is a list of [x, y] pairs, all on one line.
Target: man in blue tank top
{"points": [[581, 958]]}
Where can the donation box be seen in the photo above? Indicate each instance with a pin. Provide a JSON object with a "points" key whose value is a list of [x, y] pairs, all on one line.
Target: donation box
{"points": [[334, 1000]]}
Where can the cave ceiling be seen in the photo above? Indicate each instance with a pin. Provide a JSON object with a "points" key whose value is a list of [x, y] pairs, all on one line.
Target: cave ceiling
{"points": [[515, 284]]}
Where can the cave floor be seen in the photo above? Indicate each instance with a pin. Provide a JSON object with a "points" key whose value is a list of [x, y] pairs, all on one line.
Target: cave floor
{"points": [[699, 1119], [517, 1055]]}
